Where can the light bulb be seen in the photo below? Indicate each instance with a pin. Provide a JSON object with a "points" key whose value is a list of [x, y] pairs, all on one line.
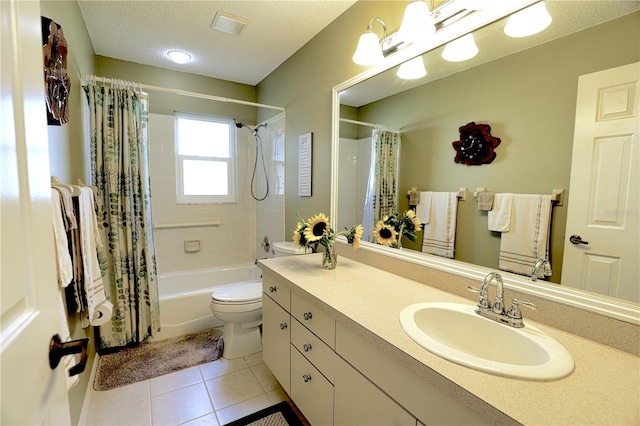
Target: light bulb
{"points": [[412, 70], [417, 23], [369, 51], [461, 49], [179, 57], [528, 21]]}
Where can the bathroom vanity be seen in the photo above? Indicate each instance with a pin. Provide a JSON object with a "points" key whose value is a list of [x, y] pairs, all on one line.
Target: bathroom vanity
{"points": [[333, 340]]}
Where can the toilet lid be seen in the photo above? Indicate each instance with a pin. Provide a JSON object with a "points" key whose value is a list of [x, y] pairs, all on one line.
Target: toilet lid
{"points": [[239, 293]]}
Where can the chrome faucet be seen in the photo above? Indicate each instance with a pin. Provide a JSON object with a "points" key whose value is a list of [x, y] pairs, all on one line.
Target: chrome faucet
{"points": [[496, 312], [537, 266]]}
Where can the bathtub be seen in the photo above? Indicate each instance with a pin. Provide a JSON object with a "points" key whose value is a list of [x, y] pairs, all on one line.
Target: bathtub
{"points": [[185, 297]]}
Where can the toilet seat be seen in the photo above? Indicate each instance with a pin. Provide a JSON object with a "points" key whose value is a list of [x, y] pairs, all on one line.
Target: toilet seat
{"points": [[240, 293]]}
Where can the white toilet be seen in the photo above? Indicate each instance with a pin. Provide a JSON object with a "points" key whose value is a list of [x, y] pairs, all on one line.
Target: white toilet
{"points": [[239, 306]]}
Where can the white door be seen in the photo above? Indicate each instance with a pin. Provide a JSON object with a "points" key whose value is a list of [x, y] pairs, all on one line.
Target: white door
{"points": [[31, 392], [601, 248]]}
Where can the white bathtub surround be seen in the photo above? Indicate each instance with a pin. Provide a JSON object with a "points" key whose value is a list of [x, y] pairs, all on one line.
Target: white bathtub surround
{"points": [[185, 297], [230, 243]]}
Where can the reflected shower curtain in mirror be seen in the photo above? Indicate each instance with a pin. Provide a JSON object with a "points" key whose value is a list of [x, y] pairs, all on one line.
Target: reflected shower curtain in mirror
{"points": [[382, 192], [120, 172]]}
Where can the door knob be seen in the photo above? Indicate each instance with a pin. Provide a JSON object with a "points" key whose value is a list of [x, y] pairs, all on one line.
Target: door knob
{"points": [[57, 350], [575, 239]]}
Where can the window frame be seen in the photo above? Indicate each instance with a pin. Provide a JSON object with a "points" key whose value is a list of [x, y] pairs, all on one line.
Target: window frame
{"points": [[231, 162]]}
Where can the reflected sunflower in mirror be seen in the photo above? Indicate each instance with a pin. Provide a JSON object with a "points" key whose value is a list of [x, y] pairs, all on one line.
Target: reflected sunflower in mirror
{"points": [[390, 229]]}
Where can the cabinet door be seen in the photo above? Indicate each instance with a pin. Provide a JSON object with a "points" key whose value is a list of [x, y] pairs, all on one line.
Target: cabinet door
{"points": [[311, 391], [276, 326], [360, 402]]}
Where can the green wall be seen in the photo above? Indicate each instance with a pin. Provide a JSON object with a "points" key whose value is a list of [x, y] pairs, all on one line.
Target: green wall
{"points": [[66, 149], [167, 103]]}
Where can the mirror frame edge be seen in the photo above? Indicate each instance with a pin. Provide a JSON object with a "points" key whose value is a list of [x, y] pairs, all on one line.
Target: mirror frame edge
{"points": [[613, 308]]}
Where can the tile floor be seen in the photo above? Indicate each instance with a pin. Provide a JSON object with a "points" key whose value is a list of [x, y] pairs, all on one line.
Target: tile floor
{"points": [[210, 394]]}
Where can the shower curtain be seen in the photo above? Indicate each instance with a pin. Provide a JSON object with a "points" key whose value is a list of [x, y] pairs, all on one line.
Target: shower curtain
{"points": [[382, 192], [120, 172]]}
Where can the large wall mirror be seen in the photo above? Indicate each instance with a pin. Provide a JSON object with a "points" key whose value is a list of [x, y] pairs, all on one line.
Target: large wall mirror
{"points": [[526, 90]]}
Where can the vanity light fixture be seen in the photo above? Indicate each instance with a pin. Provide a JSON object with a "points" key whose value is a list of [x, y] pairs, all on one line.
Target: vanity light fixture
{"points": [[178, 56], [460, 49], [417, 23], [412, 70], [369, 50], [528, 21]]}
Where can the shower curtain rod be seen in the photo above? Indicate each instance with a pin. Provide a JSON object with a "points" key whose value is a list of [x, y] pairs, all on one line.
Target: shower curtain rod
{"points": [[363, 123], [87, 78]]}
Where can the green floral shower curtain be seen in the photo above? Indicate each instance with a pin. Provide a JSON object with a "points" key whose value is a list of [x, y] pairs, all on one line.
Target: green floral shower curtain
{"points": [[382, 192], [120, 171]]}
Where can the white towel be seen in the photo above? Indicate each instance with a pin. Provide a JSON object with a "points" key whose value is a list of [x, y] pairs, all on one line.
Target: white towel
{"points": [[423, 208], [89, 242], [67, 361], [440, 233], [63, 258], [499, 217], [528, 236]]}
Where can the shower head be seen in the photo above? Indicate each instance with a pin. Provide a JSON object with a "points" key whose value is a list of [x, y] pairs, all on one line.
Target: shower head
{"points": [[238, 124]]}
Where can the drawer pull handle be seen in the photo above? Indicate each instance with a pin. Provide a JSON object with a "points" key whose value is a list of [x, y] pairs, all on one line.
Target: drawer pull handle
{"points": [[306, 378], [306, 347], [272, 289], [283, 325], [307, 316]]}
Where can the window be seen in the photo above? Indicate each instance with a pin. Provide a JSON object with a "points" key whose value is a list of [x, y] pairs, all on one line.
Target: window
{"points": [[205, 159]]}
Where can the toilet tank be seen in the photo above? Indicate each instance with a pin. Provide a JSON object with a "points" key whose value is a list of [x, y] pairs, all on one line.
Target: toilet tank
{"points": [[288, 248]]}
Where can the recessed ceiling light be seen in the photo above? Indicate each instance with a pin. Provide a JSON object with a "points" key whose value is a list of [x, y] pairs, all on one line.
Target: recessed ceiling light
{"points": [[228, 24], [179, 57]]}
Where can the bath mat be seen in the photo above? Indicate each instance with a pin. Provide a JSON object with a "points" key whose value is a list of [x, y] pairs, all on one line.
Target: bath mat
{"points": [[280, 414], [152, 359]]}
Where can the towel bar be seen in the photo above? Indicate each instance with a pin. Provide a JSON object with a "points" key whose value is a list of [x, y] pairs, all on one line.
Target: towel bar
{"points": [[413, 193], [557, 195]]}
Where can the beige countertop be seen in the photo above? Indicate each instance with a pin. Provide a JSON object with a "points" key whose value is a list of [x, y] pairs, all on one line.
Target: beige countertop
{"points": [[603, 389]]}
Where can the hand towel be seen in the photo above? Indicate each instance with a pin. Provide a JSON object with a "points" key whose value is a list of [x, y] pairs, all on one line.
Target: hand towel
{"points": [[528, 237], [485, 201], [440, 232], [423, 209], [67, 207], [63, 258], [499, 218], [89, 242]]}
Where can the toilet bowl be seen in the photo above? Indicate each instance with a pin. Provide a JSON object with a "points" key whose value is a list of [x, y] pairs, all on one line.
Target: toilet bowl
{"points": [[239, 306]]}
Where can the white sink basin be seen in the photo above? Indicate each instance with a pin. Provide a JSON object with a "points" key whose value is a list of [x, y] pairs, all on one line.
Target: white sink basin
{"points": [[455, 332]]}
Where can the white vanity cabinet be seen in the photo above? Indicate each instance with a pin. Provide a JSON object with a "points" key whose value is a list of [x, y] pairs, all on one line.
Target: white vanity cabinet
{"points": [[299, 347]]}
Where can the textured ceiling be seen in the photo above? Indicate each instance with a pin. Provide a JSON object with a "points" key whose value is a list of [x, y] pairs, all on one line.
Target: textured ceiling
{"points": [[144, 31]]}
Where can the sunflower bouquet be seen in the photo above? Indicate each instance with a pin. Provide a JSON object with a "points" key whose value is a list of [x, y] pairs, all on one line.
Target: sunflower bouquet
{"points": [[317, 231], [390, 229]]}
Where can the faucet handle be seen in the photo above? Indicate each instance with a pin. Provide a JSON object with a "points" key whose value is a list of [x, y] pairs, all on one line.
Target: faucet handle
{"points": [[483, 303], [515, 315]]}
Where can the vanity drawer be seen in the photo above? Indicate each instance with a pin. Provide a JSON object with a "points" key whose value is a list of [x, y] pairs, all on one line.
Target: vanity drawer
{"points": [[314, 349], [314, 319], [277, 290], [310, 390]]}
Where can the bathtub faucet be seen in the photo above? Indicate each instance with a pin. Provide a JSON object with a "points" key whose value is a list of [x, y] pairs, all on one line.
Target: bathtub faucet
{"points": [[266, 245]]}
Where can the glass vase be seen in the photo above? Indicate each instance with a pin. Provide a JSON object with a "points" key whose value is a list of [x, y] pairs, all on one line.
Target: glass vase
{"points": [[329, 257]]}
